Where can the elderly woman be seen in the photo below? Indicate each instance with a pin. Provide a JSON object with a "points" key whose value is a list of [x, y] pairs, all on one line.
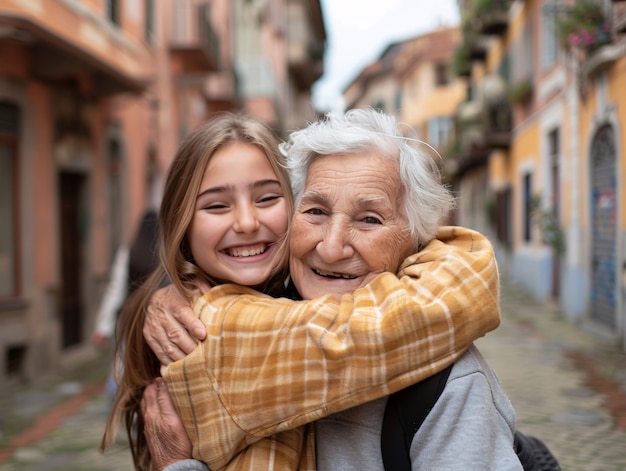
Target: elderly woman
{"points": [[365, 200]]}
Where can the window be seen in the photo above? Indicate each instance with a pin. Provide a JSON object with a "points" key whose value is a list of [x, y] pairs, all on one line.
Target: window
{"points": [[550, 44], [398, 101], [442, 75], [115, 202], [379, 105], [113, 12], [522, 56], [503, 216], [554, 151], [9, 134], [149, 19], [439, 131], [527, 195]]}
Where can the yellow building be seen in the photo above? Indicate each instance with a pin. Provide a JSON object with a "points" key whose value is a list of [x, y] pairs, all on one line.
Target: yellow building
{"points": [[553, 195]]}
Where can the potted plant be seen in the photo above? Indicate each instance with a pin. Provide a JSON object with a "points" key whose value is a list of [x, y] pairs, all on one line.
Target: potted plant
{"points": [[584, 25], [551, 232], [461, 63], [521, 92]]}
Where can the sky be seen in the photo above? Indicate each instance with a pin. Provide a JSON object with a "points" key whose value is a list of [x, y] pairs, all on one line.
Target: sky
{"points": [[358, 31]]}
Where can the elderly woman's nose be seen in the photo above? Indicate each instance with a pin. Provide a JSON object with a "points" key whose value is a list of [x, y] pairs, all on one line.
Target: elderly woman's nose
{"points": [[335, 243], [246, 219]]}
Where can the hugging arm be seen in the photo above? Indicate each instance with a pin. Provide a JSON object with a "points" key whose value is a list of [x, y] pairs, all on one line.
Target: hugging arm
{"points": [[168, 324], [165, 434], [270, 365]]}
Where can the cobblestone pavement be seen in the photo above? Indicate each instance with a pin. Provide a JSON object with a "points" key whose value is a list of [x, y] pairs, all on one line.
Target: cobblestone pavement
{"points": [[567, 386]]}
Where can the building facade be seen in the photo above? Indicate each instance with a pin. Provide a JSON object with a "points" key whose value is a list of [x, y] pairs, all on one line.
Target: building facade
{"points": [[531, 132], [546, 112], [95, 97]]}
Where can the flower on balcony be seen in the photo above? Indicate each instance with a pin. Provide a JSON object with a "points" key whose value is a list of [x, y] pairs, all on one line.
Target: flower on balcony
{"points": [[588, 36], [584, 25]]}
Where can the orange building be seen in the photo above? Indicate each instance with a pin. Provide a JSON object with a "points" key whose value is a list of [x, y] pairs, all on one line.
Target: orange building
{"points": [[95, 97]]}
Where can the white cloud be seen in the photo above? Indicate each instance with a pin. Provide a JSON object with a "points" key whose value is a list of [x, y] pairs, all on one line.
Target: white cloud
{"points": [[359, 30]]}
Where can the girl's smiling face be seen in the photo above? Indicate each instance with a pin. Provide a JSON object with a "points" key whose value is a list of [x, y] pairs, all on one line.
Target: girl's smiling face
{"points": [[240, 217]]}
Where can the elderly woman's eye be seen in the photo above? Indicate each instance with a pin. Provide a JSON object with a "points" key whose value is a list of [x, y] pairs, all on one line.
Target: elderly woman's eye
{"points": [[315, 211], [372, 220]]}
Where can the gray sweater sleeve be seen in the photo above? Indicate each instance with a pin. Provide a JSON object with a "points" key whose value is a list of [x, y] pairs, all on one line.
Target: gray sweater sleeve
{"points": [[187, 465]]}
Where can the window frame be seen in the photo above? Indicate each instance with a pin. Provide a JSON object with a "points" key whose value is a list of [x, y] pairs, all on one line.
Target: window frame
{"points": [[527, 195], [9, 137]]}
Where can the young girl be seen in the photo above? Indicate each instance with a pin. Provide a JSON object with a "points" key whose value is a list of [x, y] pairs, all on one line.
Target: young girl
{"points": [[224, 216]]}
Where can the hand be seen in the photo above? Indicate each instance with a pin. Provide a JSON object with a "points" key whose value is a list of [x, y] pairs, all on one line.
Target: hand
{"points": [[168, 322], [164, 431]]}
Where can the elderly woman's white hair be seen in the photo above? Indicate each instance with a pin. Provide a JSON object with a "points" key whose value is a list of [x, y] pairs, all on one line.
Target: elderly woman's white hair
{"points": [[427, 200]]}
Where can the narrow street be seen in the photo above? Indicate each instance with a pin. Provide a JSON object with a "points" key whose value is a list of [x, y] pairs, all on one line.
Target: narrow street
{"points": [[568, 388]]}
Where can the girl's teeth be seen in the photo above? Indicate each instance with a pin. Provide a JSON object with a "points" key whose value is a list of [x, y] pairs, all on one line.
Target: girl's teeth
{"points": [[246, 253]]}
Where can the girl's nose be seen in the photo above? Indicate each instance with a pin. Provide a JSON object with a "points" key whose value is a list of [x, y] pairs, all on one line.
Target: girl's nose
{"points": [[246, 219]]}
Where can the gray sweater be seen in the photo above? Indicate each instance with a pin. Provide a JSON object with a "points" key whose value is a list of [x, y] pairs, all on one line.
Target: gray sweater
{"points": [[470, 428]]}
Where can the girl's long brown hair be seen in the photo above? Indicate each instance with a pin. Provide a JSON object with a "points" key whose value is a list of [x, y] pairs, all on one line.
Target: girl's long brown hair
{"points": [[140, 364]]}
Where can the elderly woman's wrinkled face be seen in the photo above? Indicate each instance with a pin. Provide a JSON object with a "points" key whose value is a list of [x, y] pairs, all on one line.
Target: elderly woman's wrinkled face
{"points": [[349, 226]]}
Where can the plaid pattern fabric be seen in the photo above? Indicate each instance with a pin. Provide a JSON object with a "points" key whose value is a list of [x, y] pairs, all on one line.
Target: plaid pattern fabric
{"points": [[269, 366]]}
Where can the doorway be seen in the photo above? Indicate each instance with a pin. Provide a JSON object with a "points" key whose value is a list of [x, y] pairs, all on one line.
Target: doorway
{"points": [[73, 231], [604, 227]]}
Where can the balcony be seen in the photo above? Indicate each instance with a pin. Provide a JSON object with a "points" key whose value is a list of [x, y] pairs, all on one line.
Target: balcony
{"points": [[305, 62], [223, 90], [477, 47], [305, 43], [468, 149], [194, 42], [55, 56], [600, 58], [497, 125], [585, 27], [484, 126], [497, 116], [461, 62], [492, 16], [481, 127], [485, 123], [619, 21]]}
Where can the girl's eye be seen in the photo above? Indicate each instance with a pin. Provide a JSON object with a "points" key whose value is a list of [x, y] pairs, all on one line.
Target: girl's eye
{"points": [[215, 207], [267, 199], [372, 220]]}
